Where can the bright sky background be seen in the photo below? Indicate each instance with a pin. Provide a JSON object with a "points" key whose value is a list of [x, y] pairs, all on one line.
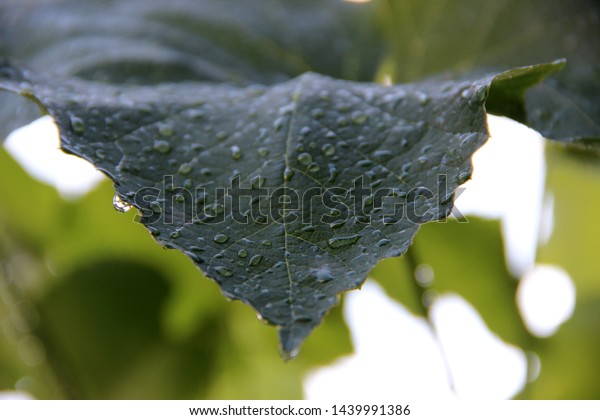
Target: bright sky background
{"points": [[396, 352]]}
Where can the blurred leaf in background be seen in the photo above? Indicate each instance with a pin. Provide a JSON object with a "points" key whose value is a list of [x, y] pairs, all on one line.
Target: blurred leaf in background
{"points": [[569, 358]]}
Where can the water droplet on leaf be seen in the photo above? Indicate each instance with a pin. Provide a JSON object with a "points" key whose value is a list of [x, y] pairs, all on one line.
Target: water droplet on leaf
{"points": [[328, 149], [236, 152], [221, 238], [337, 224], [305, 159], [185, 169], [120, 205], [162, 146], [288, 174], [313, 168], [342, 241], [165, 130], [77, 125], [224, 271], [254, 261]]}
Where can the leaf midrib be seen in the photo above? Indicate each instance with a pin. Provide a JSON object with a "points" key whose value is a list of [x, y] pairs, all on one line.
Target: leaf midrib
{"points": [[286, 155]]}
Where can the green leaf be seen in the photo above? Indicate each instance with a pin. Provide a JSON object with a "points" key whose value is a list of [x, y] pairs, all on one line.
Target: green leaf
{"points": [[286, 195], [103, 337], [573, 185], [267, 41], [567, 111], [569, 358], [150, 41], [424, 40]]}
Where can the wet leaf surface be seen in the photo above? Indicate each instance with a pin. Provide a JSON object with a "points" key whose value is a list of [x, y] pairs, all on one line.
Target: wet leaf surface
{"points": [[284, 195]]}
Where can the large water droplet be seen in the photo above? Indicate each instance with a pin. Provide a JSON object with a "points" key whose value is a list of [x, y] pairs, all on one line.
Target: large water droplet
{"points": [[333, 173], [266, 243], [317, 113], [120, 205], [423, 98], [308, 228], [359, 118], [324, 275], [254, 261], [224, 271], [185, 169], [263, 151], [305, 159], [278, 123], [313, 168], [162, 146], [342, 241], [328, 149], [342, 122], [383, 242], [165, 130], [258, 182], [77, 125], [337, 224], [221, 238], [236, 152], [464, 177], [382, 154], [242, 253], [155, 207], [196, 114], [288, 174]]}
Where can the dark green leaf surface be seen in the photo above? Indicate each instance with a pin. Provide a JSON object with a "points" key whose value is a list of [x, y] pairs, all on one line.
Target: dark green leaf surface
{"points": [[425, 41], [149, 42], [268, 41], [286, 195], [152, 41]]}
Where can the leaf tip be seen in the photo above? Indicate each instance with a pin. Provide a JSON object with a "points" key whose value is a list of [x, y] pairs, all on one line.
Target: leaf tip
{"points": [[292, 336]]}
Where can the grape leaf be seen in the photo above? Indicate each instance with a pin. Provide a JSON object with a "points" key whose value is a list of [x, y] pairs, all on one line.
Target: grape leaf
{"points": [[423, 40], [285, 195], [150, 41]]}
